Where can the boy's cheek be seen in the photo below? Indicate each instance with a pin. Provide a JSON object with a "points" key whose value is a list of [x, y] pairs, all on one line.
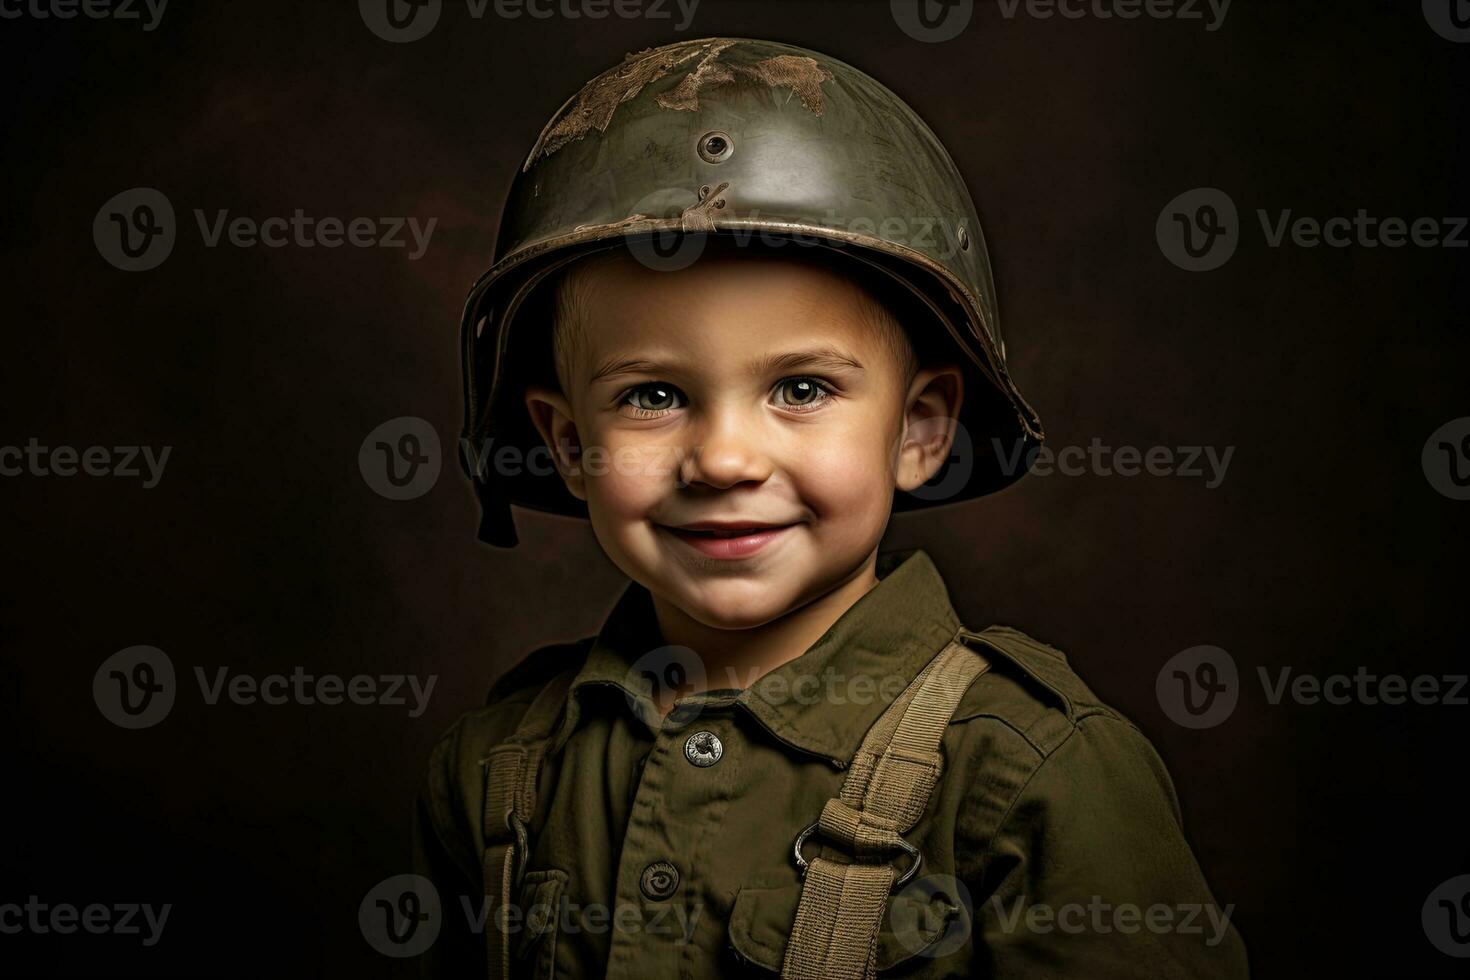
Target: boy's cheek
{"points": [[844, 469], [629, 493]]}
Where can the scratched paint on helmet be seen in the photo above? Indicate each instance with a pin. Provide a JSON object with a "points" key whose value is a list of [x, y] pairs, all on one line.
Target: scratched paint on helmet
{"points": [[593, 107]]}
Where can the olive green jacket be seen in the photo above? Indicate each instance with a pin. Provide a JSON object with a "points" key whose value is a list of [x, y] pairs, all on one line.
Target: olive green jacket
{"points": [[1053, 845]]}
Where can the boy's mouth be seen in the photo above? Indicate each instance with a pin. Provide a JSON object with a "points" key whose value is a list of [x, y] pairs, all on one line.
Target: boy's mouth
{"points": [[727, 539]]}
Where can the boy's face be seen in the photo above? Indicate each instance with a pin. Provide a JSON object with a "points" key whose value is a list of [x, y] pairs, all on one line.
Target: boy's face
{"points": [[749, 392]]}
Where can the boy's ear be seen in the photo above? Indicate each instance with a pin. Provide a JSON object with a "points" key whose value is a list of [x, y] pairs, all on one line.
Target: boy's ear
{"points": [[551, 413], [933, 406]]}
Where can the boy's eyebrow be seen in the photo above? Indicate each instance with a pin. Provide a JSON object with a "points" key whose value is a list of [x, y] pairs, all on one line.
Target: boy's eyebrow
{"points": [[626, 365], [832, 358]]}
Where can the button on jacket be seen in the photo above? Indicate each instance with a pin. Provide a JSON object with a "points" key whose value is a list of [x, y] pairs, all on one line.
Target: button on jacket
{"points": [[662, 847]]}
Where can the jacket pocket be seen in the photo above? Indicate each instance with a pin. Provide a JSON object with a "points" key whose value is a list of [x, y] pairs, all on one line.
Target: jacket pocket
{"points": [[534, 945], [762, 917]]}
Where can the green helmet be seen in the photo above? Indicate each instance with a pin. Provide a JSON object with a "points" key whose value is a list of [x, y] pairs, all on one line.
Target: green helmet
{"points": [[765, 144]]}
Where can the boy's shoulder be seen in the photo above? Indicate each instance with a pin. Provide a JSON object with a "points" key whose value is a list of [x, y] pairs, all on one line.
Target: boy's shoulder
{"points": [[480, 729], [1030, 726], [454, 774], [452, 792], [1030, 687]]}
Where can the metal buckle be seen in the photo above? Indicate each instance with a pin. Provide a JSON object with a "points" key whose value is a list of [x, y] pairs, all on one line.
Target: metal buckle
{"points": [[911, 850]]}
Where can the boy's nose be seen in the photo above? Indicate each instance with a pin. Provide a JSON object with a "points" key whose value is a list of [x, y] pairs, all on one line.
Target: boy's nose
{"points": [[727, 452]]}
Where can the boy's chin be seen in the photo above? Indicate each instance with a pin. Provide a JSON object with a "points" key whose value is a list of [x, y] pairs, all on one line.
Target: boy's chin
{"points": [[738, 610]]}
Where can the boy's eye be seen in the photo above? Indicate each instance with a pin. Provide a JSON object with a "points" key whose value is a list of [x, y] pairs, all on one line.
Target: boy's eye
{"points": [[653, 398], [801, 393]]}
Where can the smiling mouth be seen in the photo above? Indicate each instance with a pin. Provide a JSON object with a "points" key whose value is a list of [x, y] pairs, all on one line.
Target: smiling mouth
{"points": [[729, 541], [729, 532]]}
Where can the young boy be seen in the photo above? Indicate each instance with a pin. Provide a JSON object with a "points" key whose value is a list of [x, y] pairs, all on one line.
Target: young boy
{"points": [[782, 753]]}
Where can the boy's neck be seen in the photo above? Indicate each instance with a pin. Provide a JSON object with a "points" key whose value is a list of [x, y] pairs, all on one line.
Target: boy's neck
{"points": [[739, 658]]}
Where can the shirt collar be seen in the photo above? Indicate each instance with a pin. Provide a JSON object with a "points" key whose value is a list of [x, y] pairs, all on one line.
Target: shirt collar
{"points": [[822, 702]]}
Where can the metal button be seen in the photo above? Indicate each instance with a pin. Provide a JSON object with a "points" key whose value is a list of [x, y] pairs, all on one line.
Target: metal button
{"points": [[659, 880], [703, 749]]}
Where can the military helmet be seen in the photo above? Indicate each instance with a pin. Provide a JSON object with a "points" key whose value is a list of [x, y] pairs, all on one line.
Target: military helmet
{"points": [[758, 142]]}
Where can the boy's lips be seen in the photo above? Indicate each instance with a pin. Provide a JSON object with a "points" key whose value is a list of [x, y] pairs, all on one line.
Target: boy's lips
{"points": [[727, 539]]}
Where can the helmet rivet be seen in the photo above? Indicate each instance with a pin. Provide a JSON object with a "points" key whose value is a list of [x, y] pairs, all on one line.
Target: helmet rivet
{"points": [[716, 147], [964, 237]]}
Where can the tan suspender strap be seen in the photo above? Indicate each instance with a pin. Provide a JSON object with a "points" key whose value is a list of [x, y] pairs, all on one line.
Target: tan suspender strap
{"points": [[510, 800], [887, 788]]}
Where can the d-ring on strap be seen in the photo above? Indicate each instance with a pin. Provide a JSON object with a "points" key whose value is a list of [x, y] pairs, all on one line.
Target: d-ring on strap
{"points": [[887, 788]]}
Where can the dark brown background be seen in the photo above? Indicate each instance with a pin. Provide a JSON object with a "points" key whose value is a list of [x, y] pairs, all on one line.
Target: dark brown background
{"points": [[263, 549]]}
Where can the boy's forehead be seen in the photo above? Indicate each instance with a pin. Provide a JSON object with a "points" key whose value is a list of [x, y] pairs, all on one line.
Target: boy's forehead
{"points": [[732, 312], [627, 298]]}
